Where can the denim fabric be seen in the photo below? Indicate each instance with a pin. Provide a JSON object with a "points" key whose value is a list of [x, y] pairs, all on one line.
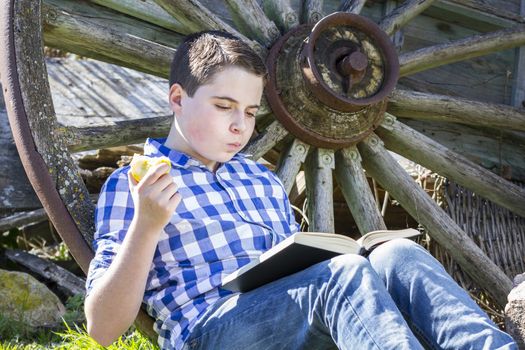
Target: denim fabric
{"points": [[398, 295]]}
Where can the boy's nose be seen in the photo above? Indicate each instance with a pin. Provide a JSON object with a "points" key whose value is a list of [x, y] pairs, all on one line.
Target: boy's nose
{"points": [[239, 124]]}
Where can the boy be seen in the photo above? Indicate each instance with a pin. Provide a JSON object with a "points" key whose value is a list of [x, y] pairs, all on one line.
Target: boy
{"points": [[170, 239]]}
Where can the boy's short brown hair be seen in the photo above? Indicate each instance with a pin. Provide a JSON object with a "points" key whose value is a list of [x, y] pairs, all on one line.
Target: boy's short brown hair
{"points": [[204, 54]]}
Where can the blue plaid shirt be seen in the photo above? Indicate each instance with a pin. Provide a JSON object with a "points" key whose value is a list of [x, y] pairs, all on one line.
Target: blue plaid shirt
{"points": [[225, 220]]}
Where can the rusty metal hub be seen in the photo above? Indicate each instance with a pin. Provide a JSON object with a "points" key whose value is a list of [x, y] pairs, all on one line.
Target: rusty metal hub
{"points": [[329, 82]]}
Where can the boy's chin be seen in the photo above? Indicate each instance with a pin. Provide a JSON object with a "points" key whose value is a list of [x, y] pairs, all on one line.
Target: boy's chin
{"points": [[225, 158]]}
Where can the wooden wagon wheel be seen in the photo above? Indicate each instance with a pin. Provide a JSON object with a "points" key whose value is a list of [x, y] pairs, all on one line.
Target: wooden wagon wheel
{"points": [[329, 88]]}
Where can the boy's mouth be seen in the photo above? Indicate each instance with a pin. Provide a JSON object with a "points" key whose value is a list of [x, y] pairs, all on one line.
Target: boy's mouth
{"points": [[235, 145]]}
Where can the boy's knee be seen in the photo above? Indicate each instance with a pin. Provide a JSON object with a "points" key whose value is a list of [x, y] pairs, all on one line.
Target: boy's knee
{"points": [[348, 265], [398, 247], [397, 251]]}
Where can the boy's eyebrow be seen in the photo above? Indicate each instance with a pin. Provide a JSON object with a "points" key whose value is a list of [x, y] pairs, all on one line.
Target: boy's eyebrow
{"points": [[233, 100]]}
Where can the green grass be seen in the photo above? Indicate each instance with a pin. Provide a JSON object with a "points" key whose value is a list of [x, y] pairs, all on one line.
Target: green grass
{"points": [[15, 335], [76, 338]]}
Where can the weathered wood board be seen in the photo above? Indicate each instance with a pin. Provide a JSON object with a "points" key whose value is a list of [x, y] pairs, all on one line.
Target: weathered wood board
{"points": [[492, 149], [89, 92], [16, 192]]}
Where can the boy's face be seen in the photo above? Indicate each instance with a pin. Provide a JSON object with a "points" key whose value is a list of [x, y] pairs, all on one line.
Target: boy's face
{"points": [[218, 121]]}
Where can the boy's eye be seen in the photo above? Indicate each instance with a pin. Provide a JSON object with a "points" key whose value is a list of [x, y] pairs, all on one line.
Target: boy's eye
{"points": [[250, 114], [223, 107]]}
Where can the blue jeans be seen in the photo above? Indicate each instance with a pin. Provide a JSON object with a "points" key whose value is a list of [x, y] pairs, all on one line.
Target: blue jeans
{"points": [[398, 298]]}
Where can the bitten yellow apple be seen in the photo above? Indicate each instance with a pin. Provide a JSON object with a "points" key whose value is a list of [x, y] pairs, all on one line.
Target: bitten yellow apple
{"points": [[140, 165]]}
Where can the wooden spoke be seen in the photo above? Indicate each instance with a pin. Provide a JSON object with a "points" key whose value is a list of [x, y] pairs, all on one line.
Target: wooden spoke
{"points": [[403, 14], [352, 6], [419, 105], [319, 189], [146, 10], [423, 150], [356, 190], [290, 162], [93, 31], [474, 46], [312, 11], [120, 133], [252, 20], [384, 168], [265, 141], [282, 13], [197, 17]]}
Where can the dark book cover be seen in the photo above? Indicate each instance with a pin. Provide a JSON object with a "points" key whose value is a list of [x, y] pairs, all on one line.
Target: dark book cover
{"points": [[292, 259]]}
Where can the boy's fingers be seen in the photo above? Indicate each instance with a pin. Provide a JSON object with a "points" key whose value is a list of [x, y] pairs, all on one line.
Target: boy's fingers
{"points": [[175, 200], [155, 172], [168, 191]]}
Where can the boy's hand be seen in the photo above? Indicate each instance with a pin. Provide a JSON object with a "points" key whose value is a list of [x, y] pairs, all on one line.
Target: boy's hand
{"points": [[155, 197]]}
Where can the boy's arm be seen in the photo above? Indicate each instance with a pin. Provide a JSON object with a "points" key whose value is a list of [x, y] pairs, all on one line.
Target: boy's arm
{"points": [[115, 299]]}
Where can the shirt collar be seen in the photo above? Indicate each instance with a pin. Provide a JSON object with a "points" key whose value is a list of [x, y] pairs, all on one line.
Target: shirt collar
{"points": [[156, 148]]}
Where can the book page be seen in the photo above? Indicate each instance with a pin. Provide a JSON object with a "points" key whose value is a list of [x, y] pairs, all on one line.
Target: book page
{"points": [[376, 237], [328, 241]]}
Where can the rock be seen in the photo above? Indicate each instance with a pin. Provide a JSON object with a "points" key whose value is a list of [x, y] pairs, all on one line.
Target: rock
{"points": [[515, 314], [25, 299]]}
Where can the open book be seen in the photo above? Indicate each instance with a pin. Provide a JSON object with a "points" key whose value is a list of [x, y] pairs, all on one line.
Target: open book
{"points": [[302, 250]]}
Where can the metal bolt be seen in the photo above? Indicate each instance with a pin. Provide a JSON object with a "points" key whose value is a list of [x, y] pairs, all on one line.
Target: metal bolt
{"points": [[354, 63], [315, 17], [291, 17], [274, 33], [389, 120]]}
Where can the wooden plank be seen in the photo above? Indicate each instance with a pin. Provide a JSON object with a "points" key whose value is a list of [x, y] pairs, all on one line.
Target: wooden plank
{"points": [[265, 141], [421, 149], [290, 160], [392, 177], [91, 93], [417, 105], [401, 15], [503, 13], [99, 32], [65, 280], [492, 150], [15, 190], [462, 49], [518, 86], [100, 105], [356, 191], [319, 189]]}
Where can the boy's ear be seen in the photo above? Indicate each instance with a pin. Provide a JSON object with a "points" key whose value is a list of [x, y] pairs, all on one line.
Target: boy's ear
{"points": [[175, 97]]}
